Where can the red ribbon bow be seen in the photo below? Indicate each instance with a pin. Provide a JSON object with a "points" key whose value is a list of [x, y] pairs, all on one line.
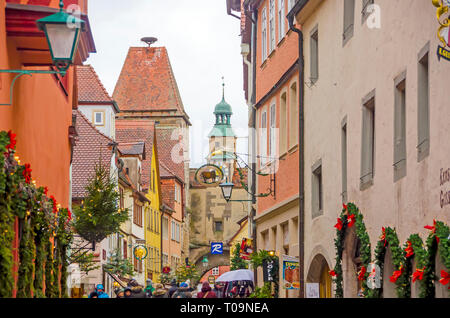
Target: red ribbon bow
{"points": [[69, 215], [55, 208], [445, 278], [27, 173], [46, 191], [396, 274], [418, 274], [12, 141], [432, 229], [339, 224], [361, 273], [409, 249], [344, 206], [383, 235], [351, 220], [333, 273]]}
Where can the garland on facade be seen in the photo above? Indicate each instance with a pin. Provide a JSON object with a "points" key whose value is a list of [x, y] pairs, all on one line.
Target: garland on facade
{"points": [[41, 223], [437, 243], [415, 252], [389, 239], [350, 217]]}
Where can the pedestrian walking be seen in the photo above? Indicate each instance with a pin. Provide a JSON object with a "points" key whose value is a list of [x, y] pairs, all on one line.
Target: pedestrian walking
{"points": [[137, 291], [183, 291], [93, 295], [127, 292], [120, 293], [206, 291], [159, 292], [101, 291], [149, 289], [173, 287], [218, 289]]}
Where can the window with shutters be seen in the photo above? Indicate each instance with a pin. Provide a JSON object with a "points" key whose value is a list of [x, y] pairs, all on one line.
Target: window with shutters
{"points": [[400, 127], [271, 25], [137, 214], [264, 35], [263, 139], [314, 58], [283, 124], [317, 189], [365, 12], [293, 116], [165, 228], [423, 111], [344, 160], [281, 20], [349, 20], [368, 141], [215, 271], [272, 133]]}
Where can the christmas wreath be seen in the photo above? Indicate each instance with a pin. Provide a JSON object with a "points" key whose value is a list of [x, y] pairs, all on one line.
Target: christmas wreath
{"points": [[351, 216], [389, 239]]}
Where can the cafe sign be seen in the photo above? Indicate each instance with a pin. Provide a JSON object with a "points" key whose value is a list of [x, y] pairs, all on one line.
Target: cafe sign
{"points": [[442, 14]]}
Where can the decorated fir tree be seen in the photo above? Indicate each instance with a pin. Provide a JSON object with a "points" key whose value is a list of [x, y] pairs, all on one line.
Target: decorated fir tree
{"points": [[118, 265], [237, 262], [99, 214]]}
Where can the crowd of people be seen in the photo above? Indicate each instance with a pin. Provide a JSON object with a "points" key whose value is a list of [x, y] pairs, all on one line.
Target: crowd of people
{"points": [[182, 290]]}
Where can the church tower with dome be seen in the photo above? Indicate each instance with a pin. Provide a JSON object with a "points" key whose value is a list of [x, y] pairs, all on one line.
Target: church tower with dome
{"points": [[222, 139]]}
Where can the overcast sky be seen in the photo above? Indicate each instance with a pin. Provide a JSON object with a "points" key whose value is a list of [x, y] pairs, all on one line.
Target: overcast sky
{"points": [[203, 44]]}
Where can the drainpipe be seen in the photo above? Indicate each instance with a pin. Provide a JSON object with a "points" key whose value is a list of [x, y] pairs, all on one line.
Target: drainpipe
{"points": [[301, 127]]}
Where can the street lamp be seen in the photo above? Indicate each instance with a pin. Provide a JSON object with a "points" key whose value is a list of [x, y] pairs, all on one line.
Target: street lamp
{"points": [[62, 31], [205, 261], [227, 190]]}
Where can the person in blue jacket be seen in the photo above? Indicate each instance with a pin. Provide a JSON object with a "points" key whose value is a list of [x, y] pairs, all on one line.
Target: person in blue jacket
{"points": [[101, 291]]}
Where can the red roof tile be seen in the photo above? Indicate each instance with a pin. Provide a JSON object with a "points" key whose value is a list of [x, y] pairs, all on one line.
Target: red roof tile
{"points": [[91, 145], [90, 88], [136, 130], [147, 82]]}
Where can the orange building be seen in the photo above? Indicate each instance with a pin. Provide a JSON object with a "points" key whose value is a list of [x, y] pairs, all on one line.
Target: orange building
{"points": [[40, 110], [271, 79]]}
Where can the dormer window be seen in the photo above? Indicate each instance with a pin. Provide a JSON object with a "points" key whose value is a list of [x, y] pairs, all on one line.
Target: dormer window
{"points": [[99, 118]]}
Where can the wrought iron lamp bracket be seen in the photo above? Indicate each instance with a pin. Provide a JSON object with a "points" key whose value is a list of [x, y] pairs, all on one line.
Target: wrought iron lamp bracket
{"points": [[26, 72]]}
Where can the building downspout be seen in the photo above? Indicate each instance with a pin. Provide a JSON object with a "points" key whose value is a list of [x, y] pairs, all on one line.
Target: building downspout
{"points": [[301, 127]]}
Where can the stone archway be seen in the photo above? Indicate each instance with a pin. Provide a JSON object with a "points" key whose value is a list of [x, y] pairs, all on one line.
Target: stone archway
{"points": [[318, 272], [350, 264], [213, 261]]}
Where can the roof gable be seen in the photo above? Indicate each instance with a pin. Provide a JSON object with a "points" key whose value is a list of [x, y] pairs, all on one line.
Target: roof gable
{"points": [[147, 82], [91, 146], [90, 88]]}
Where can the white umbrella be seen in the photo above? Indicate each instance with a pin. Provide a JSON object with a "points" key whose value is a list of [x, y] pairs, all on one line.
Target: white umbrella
{"points": [[240, 274]]}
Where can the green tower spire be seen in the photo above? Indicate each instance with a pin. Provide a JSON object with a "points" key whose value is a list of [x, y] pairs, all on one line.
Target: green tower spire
{"points": [[222, 112]]}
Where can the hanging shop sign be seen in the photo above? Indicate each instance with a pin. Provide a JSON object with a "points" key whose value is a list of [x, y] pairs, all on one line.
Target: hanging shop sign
{"points": [[246, 249], [140, 252], [216, 248], [209, 175], [291, 272], [442, 14], [267, 270], [211, 279]]}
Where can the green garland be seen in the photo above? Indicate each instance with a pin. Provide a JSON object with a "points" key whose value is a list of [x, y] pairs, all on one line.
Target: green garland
{"points": [[390, 239], [365, 250], [37, 217], [420, 257], [437, 242], [26, 267]]}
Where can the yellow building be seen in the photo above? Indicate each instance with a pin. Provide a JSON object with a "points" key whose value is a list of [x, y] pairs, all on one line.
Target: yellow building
{"points": [[153, 220]]}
